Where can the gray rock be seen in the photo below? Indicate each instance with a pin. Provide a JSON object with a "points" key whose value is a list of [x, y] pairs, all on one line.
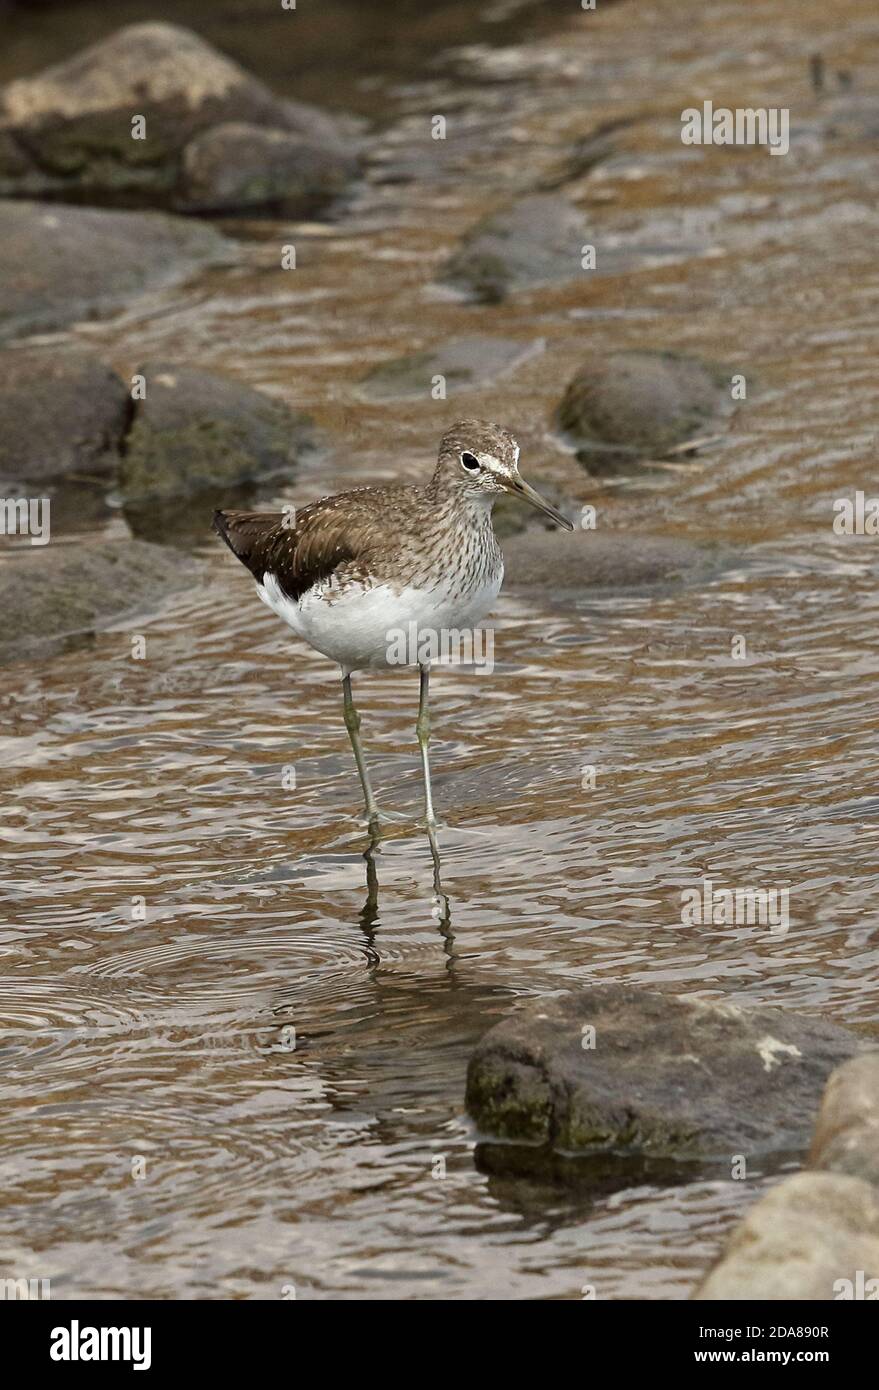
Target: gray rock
{"points": [[641, 404], [847, 1129], [539, 240], [554, 561], [197, 430], [240, 168], [71, 126], [668, 1078], [536, 241], [49, 593], [813, 1236], [466, 363], [60, 413], [61, 264]]}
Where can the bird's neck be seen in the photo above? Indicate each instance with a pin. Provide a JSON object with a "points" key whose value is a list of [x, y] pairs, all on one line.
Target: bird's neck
{"points": [[467, 505]]}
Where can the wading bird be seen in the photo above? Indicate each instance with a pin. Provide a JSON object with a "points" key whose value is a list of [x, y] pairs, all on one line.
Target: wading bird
{"points": [[348, 571]]}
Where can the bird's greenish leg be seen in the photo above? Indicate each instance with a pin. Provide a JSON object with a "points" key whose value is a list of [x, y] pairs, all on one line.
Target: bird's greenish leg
{"points": [[422, 731], [352, 724]]}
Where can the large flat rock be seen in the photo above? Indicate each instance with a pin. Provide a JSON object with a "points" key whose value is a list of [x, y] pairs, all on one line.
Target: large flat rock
{"points": [[556, 562], [662, 1077], [61, 264], [60, 591]]}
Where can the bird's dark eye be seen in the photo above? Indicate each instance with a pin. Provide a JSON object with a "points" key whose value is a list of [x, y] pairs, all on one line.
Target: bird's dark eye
{"points": [[470, 462]]}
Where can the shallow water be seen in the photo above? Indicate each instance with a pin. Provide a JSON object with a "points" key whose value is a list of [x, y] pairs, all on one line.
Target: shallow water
{"points": [[249, 1089]]}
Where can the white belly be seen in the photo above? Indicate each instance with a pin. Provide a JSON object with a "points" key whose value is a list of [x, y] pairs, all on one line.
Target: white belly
{"points": [[362, 627]]}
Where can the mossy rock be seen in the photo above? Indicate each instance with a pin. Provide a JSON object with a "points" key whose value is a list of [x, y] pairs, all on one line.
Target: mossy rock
{"points": [[617, 1068], [197, 431]]}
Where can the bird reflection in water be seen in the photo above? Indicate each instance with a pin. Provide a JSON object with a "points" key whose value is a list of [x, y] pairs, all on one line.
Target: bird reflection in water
{"points": [[440, 905]]}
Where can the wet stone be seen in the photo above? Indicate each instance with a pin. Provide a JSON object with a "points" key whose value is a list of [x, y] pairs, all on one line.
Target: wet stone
{"points": [[557, 562], [244, 168], [53, 592], [60, 413], [537, 241], [82, 263], [847, 1129], [544, 240], [619, 1069], [197, 430], [68, 132], [634, 405], [464, 364]]}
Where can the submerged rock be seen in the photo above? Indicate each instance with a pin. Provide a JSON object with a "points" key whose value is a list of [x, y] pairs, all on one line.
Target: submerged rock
{"points": [[197, 430], [464, 363], [72, 131], [847, 1129], [544, 239], [641, 404], [60, 264], [60, 413], [540, 559], [619, 1069], [536, 241], [52, 592], [813, 1236]]}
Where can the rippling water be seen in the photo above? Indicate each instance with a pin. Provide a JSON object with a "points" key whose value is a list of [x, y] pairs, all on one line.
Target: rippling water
{"points": [[225, 1073]]}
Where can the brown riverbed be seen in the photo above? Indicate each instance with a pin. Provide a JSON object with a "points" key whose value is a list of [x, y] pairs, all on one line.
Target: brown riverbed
{"points": [[168, 1039]]}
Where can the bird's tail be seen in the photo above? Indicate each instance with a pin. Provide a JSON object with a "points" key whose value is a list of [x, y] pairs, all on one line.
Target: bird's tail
{"points": [[248, 535]]}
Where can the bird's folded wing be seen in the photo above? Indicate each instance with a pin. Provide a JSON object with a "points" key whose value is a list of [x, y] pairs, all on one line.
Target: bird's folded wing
{"points": [[299, 551]]}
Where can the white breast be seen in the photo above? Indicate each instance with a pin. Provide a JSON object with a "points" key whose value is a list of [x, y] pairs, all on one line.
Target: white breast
{"points": [[356, 626]]}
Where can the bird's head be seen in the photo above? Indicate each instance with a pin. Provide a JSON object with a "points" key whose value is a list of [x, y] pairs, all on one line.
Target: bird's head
{"points": [[481, 460]]}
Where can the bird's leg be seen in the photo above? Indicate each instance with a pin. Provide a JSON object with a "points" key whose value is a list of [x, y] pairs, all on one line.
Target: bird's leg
{"points": [[352, 724], [441, 910], [422, 731]]}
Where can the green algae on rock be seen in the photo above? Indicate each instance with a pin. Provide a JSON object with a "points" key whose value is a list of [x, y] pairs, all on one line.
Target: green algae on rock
{"points": [[112, 124], [619, 1068]]}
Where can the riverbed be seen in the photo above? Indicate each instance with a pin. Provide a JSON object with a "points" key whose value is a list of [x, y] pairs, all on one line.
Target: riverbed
{"points": [[232, 1070]]}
